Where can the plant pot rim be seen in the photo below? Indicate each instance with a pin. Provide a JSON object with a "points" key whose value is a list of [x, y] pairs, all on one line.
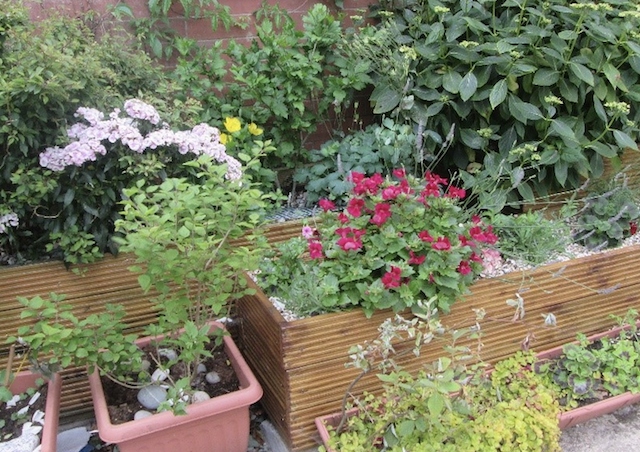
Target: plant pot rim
{"points": [[26, 379], [250, 392]]}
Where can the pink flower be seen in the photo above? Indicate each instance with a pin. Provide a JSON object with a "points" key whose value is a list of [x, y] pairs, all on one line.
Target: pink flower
{"points": [[464, 268], [315, 249], [326, 205], [391, 192], [354, 207], [349, 243], [464, 241], [430, 177], [400, 173], [342, 218], [382, 212], [431, 189], [492, 260], [455, 193], [475, 257], [633, 228], [307, 232], [415, 259], [442, 244], [356, 177], [392, 278], [425, 236]]}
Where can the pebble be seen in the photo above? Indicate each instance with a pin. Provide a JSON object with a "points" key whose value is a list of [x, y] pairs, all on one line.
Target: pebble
{"points": [[168, 353], [145, 364], [200, 396], [212, 378], [141, 414], [152, 396], [159, 375], [201, 368]]}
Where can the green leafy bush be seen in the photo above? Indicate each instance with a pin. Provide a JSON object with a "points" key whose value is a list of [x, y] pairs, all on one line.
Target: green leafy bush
{"points": [[376, 149], [549, 86], [46, 72], [609, 215]]}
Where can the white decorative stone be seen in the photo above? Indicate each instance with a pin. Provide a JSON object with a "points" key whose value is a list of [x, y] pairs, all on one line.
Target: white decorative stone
{"points": [[159, 375], [152, 396], [201, 368], [171, 355], [199, 396], [212, 378], [141, 414], [23, 443], [145, 364]]}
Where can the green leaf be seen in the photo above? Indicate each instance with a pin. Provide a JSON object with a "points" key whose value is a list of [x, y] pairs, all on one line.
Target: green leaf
{"points": [[498, 93], [184, 232], [435, 404], [624, 141], [145, 282], [603, 149], [563, 130], [582, 72], [524, 111], [387, 101], [546, 77], [613, 75], [451, 81], [468, 86]]}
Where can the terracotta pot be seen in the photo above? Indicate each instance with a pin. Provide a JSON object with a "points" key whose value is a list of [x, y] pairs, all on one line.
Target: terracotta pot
{"points": [[26, 380], [220, 424], [584, 413], [292, 359], [330, 420]]}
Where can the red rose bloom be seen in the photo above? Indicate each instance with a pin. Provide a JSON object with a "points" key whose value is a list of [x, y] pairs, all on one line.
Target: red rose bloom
{"points": [[392, 278], [464, 268], [382, 212]]}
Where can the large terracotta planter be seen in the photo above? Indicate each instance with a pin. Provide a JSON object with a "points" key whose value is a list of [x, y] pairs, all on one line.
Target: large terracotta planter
{"points": [[220, 424], [27, 380], [584, 413], [293, 359]]}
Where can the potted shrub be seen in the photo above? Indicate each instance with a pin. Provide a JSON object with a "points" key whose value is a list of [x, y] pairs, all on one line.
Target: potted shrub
{"points": [[25, 384], [451, 402], [181, 233], [595, 375]]}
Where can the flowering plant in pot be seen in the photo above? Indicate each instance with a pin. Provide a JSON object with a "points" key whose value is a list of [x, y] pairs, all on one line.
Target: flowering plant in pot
{"points": [[452, 404], [400, 240], [182, 233]]}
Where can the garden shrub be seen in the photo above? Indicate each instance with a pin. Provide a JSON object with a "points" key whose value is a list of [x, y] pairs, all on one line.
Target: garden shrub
{"points": [[549, 86], [46, 72]]}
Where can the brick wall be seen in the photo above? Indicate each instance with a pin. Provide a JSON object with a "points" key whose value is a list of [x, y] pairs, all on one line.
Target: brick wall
{"points": [[199, 29]]}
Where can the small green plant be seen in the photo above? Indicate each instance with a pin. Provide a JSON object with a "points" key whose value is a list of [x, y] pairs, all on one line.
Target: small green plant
{"points": [[530, 237], [609, 215], [588, 371]]}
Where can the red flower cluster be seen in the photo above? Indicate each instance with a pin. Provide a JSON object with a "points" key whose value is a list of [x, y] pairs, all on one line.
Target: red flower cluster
{"points": [[350, 239], [393, 278]]}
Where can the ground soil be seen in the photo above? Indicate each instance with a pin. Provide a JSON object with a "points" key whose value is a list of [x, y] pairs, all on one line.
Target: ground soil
{"points": [[12, 428]]}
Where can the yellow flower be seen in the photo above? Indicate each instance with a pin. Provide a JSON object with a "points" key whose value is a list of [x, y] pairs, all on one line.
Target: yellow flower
{"points": [[232, 124], [224, 138], [254, 129]]}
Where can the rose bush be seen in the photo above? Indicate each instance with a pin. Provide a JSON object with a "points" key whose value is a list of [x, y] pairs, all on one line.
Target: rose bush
{"points": [[399, 242]]}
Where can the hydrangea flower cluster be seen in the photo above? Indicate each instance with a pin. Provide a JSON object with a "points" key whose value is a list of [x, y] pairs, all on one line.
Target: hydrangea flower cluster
{"points": [[397, 242], [139, 130], [8, 220]]}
